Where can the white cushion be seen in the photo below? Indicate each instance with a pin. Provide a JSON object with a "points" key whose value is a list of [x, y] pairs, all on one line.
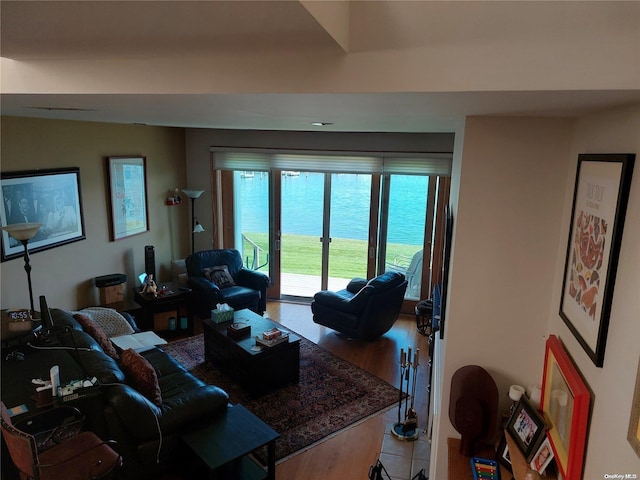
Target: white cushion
{"points": [[112, 322]]}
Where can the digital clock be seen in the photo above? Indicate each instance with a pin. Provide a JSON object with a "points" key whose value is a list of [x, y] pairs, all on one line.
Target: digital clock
{"points": [[17, 320], [19, 314]]}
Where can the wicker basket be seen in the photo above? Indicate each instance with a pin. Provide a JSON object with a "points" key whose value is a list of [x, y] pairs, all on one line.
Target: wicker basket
{"points": [[220, 317]]}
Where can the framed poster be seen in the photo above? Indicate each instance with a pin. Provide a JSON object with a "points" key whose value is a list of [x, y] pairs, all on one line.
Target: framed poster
{"points": [[49, 197], [597, 220], [128, 196], [565, 403]]}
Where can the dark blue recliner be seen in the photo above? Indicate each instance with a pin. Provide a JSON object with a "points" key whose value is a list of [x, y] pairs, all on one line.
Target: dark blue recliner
{"points": [[249, 289], [365, 309]]}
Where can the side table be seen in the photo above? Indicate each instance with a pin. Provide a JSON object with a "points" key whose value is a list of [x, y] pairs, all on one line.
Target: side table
{"points": [[224, 445], [170, 303]]}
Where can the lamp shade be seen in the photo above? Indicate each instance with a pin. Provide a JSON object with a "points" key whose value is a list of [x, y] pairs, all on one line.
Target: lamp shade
{"points": [[192, 193], [22, 231], [198, 228]]}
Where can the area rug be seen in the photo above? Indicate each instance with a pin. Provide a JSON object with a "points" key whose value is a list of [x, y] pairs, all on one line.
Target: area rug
{"points": [[332, 395]]}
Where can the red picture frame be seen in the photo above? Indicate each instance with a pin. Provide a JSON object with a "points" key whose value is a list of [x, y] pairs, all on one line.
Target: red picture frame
{"points": [[565, 404]]}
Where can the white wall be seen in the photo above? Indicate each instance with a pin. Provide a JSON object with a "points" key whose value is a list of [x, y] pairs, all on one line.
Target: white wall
{"points": [[507, 230], [608, 452]]}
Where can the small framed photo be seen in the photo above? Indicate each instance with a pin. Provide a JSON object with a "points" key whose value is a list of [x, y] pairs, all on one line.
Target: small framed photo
{"points": [[526, 427], [502, 454], [542, 457]]}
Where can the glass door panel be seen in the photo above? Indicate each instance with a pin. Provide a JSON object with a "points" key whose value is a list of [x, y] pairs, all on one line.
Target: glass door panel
{"points": [[302, 201], [405, 229], [349, 228], [252, 218]]}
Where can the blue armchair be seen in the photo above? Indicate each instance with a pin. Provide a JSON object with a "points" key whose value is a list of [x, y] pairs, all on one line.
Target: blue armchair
{"points": [[365, 309], [234, 285]]}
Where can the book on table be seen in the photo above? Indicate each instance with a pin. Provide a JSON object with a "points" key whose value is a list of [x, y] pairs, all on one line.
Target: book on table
{"points": [[272, 334], [139, 342], [283, 337]]}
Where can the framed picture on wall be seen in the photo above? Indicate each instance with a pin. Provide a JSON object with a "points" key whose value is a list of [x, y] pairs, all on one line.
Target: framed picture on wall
{"points": [[128, 196], [446, 260], [565, 403], [633, 435], [49, 197], [597, 220]]}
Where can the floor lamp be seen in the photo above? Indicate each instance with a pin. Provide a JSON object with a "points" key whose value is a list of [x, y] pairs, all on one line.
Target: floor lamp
{"points": [[195, 225], [23, 232]]}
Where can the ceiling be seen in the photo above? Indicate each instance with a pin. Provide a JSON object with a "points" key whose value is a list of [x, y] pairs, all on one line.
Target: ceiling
{"points": [[45, 33], [389, 112]]}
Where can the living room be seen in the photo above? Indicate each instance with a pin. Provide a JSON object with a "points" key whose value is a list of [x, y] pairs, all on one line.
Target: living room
{"points": [[512, 188]]}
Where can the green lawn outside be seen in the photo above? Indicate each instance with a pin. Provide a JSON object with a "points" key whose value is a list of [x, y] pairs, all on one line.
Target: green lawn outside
{"points": [[302, 254]]}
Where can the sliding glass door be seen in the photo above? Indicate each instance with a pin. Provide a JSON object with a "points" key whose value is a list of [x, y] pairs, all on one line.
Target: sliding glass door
{"points": [[251, 218], [302, 203], [348, 228], [404, 217], [325, 225], [355, 216]]}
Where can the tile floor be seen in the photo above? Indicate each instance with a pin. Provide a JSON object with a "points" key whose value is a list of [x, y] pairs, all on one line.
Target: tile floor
{"points": [[403, 459]]}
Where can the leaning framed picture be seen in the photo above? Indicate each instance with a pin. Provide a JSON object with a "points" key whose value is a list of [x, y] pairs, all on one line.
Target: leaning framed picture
{"points": [[565, 404], [502, 454], [633, 434], [527, 428], [543, 457], [597, 220], [128, 196], [49, 197]]}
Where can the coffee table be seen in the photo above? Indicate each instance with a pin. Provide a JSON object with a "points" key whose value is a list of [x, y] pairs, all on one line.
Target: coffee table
{"points": [[224, 445], [257, 370]]}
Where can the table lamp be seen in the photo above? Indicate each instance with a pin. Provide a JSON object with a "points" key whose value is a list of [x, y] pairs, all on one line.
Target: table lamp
{"points": [[23, 232]]}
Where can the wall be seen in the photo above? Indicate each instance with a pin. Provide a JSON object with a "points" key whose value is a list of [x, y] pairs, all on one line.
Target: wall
{"points": [[608, 452], [507, 215], [65, 274]]}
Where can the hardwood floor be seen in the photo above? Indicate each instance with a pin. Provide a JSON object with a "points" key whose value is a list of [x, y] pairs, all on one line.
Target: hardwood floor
{"points": [[349, 454]]}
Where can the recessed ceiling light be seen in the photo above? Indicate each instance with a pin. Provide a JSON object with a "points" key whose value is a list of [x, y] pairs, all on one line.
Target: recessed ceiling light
{"points": [[321, 124], [64, 109]]}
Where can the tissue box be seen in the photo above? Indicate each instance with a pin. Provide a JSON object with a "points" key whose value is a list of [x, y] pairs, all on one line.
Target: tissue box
{"points": [[219, 317]]}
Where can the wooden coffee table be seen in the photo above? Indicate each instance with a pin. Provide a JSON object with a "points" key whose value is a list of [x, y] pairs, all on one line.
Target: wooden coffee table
{"points": [[257, 370]]}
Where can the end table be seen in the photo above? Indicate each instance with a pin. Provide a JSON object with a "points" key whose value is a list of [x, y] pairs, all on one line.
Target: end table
{"points": [[167, 311]]}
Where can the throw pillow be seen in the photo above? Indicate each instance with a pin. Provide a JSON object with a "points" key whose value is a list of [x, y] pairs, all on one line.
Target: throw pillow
{"points": [[111, 321], [142, 375], [220, 276], [98, 335]]}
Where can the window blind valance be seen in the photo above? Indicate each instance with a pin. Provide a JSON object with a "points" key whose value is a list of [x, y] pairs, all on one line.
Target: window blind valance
{"points": [[333, 162]]}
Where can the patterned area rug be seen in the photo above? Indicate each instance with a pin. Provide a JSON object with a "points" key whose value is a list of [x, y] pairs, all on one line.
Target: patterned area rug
{"points": [[332, 395]]}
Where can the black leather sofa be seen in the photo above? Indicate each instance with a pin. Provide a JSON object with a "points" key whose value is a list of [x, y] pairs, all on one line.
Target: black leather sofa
{"points": [[147, 435], [249, 289], [365, 309]]}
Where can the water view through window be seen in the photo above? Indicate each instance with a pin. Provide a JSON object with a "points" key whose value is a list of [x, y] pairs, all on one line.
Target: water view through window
{"points": [[302, 214]]}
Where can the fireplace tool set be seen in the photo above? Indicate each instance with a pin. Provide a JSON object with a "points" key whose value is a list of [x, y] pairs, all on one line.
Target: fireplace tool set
{"points": [[407, 429]]}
